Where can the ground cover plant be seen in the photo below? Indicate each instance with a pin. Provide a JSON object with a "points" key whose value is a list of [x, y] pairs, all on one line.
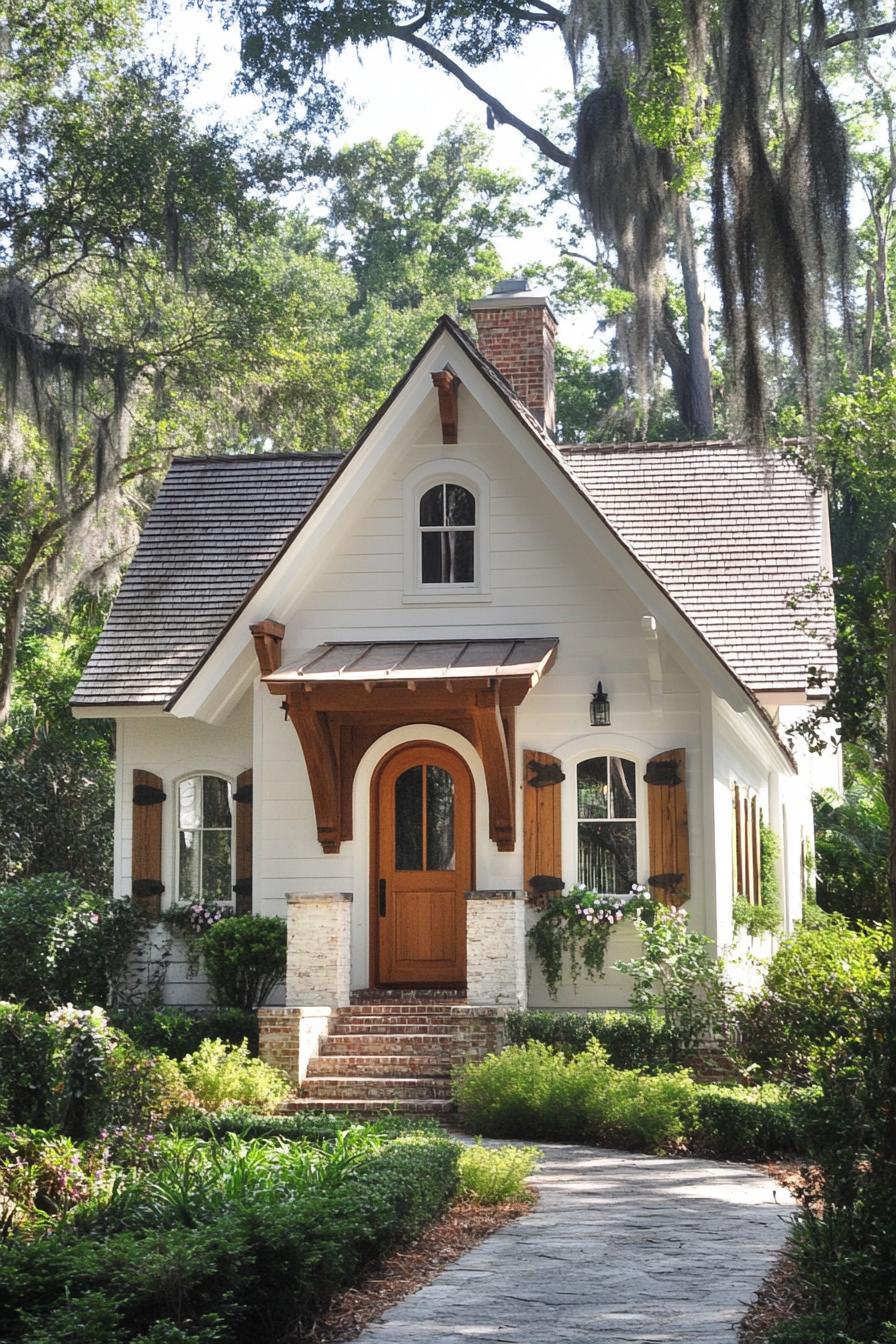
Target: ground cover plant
{"points": [[496, 1175], [224, 1239]]}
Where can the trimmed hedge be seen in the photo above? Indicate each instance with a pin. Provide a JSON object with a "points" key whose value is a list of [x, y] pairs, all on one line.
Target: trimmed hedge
{"points": [[260, 1271], [534, 1092], [178, 1033], [310, 1126], [631, 1040]]}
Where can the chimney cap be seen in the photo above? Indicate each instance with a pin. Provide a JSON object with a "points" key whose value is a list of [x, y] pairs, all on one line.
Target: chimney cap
{"points": [[513, 293]]}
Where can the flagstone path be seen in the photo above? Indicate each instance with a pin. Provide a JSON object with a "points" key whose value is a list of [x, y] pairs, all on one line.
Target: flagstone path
{"points": [[621, 1249]]}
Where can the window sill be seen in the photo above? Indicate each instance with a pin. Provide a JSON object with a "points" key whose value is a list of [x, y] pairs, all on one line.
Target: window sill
{"points": [[445, 599]]}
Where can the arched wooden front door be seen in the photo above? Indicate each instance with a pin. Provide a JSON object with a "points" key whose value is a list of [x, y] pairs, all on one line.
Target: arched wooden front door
{"points": [[422, 866]]}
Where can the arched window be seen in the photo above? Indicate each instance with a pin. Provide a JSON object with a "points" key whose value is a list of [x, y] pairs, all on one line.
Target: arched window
{"points": [[204, 839], [606, 824], [447, 535]]}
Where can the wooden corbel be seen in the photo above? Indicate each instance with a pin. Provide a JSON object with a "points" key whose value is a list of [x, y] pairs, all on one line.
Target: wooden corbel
{"points": [[268, 636], [491, 743], [322, 762], [447, 384]]}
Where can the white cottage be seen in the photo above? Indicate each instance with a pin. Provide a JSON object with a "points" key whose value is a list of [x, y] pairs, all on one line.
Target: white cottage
{"points": [[359, 690]]}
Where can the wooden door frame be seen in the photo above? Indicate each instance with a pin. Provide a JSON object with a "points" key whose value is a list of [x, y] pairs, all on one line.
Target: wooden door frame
{"points": [[373, 855]]}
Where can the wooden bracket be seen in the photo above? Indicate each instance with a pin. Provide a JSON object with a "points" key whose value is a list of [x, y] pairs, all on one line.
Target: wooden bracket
{"points": [[491, 743], [313, 729], [268, 636], [447, 384]]}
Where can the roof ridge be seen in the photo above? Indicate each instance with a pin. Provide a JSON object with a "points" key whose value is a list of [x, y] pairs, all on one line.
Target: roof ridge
{"points": [[638, 446], [304, 454]]}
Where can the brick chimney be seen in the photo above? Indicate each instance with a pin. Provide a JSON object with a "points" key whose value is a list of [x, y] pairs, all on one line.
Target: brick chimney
{"points": [[517, 329]]}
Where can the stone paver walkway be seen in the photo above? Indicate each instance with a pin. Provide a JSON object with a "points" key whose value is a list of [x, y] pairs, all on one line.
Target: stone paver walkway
{"points": [[621, 1249]]}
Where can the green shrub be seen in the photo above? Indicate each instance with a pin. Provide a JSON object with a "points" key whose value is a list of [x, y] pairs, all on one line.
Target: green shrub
{"points": [[262, 1270], [219, 1075], [495, 1175], [812, 998], [533, 1092], [178, 1033], [750, 1122], [680, 978], [68, 1070], [244, 959], [61, 944], [313, 1126], [631, 1040]]}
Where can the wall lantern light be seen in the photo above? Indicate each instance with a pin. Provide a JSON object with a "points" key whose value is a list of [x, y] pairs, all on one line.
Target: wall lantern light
{"points": [[600, 708]]}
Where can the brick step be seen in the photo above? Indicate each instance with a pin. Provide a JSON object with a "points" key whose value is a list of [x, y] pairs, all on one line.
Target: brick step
{"points": [[382, 1066], [386, 1043], [377, 1089], [435, 1106], [352, 1025], [410, 1006]]}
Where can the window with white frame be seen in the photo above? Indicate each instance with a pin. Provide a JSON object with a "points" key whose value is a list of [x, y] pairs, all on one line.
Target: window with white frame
{"points": [[447, 535], [607, 824], [204, 839]]}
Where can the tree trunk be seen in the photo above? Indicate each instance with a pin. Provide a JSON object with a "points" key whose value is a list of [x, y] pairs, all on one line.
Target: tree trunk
{"points": [[891, 750], [13, 615], [699, 412]]}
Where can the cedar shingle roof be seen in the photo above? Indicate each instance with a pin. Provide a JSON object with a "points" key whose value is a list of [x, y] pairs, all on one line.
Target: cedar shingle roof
{"points": [[215, 528], [735, 535]]}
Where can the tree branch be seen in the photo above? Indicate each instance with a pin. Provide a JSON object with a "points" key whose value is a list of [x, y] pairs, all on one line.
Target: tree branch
{"points": [[857, 34], [501, 113]]}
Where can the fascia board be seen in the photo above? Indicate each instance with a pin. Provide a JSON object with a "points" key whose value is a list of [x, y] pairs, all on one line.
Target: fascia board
{"points": [[112, 711], [211, 686]]}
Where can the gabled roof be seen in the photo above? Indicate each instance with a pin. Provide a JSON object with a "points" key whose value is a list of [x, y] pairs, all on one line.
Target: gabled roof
{"points": [[737, 535], [217, 525], [220, 526]]}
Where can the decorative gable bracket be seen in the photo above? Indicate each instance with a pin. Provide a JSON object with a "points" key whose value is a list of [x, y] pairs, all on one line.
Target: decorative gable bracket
{"points": [[447, 384]]}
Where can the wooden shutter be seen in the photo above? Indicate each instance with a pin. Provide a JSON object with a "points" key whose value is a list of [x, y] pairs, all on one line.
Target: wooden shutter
{"points": [[542, 853], [667, 820], [146, 844], [242, 886]]}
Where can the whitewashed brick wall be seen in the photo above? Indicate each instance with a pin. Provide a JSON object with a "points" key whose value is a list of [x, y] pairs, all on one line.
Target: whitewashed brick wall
{"points": [[496, 948], [318, 949]]}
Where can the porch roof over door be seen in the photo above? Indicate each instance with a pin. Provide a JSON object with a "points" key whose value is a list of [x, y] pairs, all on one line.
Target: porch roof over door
{"points": [[341, 697], [419, 660]]}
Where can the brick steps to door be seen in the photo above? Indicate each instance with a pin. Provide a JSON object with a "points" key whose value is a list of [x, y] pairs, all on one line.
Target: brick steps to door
{"points": [[378, 1089]]}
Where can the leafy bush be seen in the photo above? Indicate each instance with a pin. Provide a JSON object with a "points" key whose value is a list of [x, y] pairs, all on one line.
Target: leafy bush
{"points": [[262, 1270], [845, 1239], [533, 1092], [61, 944], [69, 1070], [46, 1174], [813, 997], [679, 977], [178, 1033], [313, 1126], [219, 1074], [851, 840], [495, 1175], [750, 1122], [631, 1040], [244, 958]]}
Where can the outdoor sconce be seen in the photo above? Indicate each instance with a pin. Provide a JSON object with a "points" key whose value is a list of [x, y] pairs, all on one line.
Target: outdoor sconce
{"points": [[600, 708]]}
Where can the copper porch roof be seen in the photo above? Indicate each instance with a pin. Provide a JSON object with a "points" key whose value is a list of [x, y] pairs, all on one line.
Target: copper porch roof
{"points": [[420, 660]]}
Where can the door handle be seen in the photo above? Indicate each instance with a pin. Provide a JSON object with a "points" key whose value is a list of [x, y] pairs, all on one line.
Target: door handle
{"points": [[382, 895]]}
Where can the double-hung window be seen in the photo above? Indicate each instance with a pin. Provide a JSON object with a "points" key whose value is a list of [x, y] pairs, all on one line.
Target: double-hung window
{"points": [[606, 825], [447, 535], [204, 839]]}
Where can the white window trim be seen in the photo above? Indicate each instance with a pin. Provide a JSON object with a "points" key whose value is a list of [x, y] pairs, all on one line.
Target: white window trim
{"points": [[231, 788], [570, 806], [450, 471]]}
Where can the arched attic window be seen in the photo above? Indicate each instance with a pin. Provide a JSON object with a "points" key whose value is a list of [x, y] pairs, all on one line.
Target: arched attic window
{"points": [[447, 535]]}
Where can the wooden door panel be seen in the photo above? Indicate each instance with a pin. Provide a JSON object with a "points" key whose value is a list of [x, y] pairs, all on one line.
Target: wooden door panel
{"points": [[421, 937]]}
